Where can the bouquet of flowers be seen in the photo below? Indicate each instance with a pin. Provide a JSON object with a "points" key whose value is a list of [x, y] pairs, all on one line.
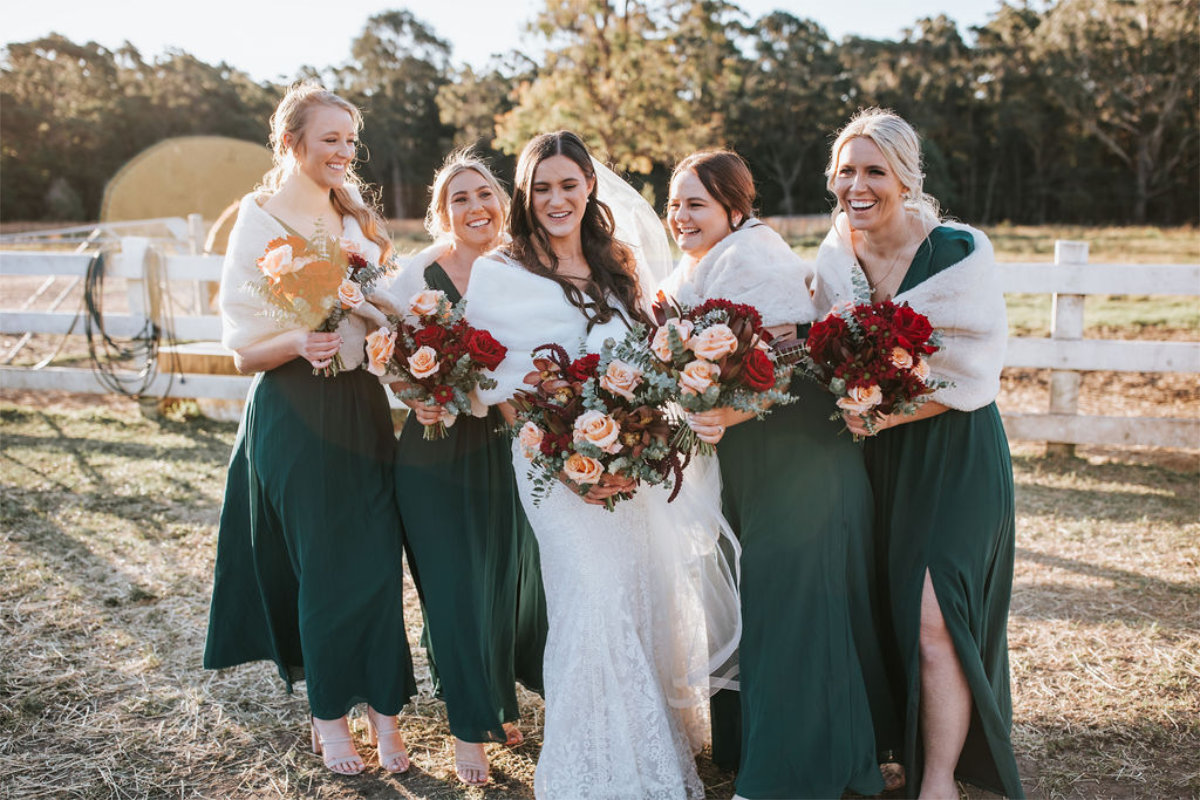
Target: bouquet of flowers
{"points": [[315, 283], [437, 355], [873, 358], [716, 354], [593, 417]]}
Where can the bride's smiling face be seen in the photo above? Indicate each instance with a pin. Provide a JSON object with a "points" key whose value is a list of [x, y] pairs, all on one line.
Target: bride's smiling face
{"points": [[560, 194]]}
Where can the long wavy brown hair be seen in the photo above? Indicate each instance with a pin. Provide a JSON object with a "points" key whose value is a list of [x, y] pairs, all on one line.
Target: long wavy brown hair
{"points": [[612, 265], [350, 199]]}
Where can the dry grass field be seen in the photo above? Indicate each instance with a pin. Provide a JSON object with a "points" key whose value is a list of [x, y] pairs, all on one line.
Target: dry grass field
{"points": [[107, 535]]}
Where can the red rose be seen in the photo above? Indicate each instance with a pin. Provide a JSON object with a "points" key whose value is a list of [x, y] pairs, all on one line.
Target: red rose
{"points": [[824, 333], [484, 349], [912, 325], [443, 395], [430, 336], [584, 367], [357, 262], [758, 371]]}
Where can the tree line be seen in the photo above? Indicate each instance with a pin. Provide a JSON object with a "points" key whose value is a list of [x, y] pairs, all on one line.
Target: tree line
{"points": [[1084, 111]]}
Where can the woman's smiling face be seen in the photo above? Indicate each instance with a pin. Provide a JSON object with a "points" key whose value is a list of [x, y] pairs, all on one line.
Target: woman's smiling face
{"points": [[474, 210], [560, 194], [866, 187], [697, 221], [327, 146]]}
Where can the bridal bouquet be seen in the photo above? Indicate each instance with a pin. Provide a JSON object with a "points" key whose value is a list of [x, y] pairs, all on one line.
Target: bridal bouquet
{"points": [[716, 355], [593, 417], [437, 355], [872, 357], [315, 283]]}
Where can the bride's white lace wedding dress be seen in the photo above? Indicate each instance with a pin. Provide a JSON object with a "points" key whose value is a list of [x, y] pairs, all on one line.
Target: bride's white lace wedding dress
{"points": [[621, 721]]}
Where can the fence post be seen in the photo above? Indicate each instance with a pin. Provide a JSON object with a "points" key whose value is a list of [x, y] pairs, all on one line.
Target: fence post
{"points": [[1066, 324], [202, 291]]}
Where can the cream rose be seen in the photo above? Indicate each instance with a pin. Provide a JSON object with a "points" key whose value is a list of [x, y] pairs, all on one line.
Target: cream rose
{"points": [[349, 294], [426, 302], [698, 376], [530, 437], [621, 378], [350, 246], [921, 369], [277, 262], [599, 429], [662, 343], [581, 469], [380, 346], [861, 400], [901, 358], [423, 363], [714, 342]]}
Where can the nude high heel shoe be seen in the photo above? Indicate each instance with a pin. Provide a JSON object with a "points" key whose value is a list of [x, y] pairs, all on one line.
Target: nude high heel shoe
{"points": [[393, 758], [342, 759]]}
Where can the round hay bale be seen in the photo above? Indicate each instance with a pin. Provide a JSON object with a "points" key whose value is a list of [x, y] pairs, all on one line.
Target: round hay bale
{"points": [[186, 175]]}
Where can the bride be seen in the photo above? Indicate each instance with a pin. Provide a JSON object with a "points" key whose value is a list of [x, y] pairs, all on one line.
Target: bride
{"points": [[627, 625]]}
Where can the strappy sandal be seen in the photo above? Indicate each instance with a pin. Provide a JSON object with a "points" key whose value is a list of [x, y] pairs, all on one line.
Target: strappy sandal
{"points": [[342, 759], [470, 769], [513, 735], [394, 758]]}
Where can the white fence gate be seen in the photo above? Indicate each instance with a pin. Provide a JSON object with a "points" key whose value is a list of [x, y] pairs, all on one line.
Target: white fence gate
{"points": [[1066, 352]]}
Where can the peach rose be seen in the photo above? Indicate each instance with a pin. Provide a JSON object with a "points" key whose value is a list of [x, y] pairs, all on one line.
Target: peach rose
{"points": [[380, 346], [859, 400], [279, 261], [581, 469], [662, 345], [901, 358], [621, 378], [921, 369], [698, 376], [350, 246], [349, 294], [426, 302], [714, 342], [423, 363], [599, 429], [530, 437]]}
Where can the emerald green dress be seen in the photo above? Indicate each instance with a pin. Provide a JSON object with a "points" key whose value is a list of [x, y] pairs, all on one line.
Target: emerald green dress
{"points": [[474, 560], [309, 564], [797, 496], [944, 503]]}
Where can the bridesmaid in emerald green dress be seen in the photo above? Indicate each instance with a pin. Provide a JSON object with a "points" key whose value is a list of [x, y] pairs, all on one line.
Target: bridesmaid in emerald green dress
{"points": [[471, 552], [942, 477], [798, 499], [309, 567]]}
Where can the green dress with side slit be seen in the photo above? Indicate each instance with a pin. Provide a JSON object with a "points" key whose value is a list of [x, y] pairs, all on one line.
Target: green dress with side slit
{"points": [[474, 560], [944, 503]]}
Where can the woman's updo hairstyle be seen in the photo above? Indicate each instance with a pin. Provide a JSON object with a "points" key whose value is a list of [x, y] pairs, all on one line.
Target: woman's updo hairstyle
{"points": [[727, 178], [901, 148]]}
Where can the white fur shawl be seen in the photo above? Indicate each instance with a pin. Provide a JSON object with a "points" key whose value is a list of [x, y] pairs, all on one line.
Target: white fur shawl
{"points": [[522, 311], [243, 319], [410, 278], [963, 301], [751, 265]]}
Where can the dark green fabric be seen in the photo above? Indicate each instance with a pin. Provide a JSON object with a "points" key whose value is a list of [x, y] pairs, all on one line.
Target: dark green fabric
{"points": [[309, 560], [797, 496], [944, 502], [474, 559]]}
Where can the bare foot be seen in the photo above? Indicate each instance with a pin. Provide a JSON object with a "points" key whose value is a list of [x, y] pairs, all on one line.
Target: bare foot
{"points": [[514, 737], [470, 762]]}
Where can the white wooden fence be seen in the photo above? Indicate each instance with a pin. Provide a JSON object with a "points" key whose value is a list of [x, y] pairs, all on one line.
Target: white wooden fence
{"points": [[1066, 352]]}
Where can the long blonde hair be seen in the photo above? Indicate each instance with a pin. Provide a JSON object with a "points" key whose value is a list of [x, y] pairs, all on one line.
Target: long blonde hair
{"points": [[290, 118], [901, 147], [437, 216]]}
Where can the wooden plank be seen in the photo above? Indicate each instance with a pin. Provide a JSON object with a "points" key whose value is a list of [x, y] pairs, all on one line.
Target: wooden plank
{"points": [[1117, 431], [1102, 354], [194, 268], [121, 326], [26, 262], [1130, 279]]}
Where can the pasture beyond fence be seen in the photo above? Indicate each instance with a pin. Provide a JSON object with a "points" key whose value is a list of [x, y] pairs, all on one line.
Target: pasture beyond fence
{"points": [[148, 264]]}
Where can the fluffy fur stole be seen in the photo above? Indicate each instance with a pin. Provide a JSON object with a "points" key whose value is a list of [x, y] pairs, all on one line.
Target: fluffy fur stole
{"points": [[964, 301], [243, 319], [752, 265]]}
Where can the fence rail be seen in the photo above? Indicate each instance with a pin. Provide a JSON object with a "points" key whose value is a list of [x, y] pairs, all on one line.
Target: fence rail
{"points": [[1066, 353]]}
